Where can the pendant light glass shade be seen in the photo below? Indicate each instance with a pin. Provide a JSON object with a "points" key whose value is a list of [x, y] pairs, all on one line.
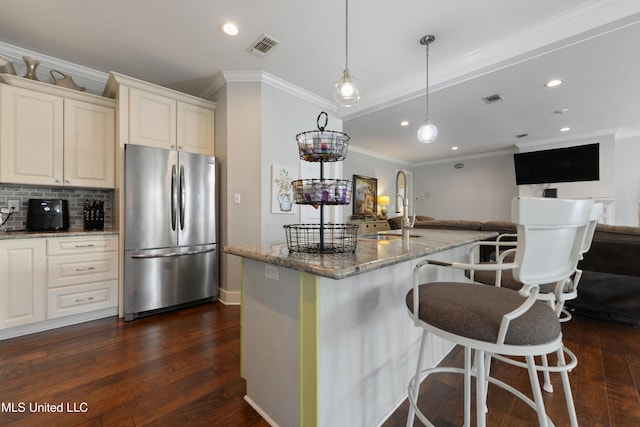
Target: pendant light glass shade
{"points": [[346, 91], [427, 133]]}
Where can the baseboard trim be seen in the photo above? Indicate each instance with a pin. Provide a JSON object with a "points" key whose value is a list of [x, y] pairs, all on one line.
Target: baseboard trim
{"points": [[59, 322], [229, 297], [260, 411]]}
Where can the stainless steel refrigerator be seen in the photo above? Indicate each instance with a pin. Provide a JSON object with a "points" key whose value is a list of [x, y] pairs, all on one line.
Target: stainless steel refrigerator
{"points": [[171, 250]]}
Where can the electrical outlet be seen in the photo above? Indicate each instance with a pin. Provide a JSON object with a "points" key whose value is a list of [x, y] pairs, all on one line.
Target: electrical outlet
{"points": [[271, 271], [15, 204]]}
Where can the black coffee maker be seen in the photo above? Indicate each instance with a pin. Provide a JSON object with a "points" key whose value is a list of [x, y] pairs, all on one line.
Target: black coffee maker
{"points": [[48, 215]]}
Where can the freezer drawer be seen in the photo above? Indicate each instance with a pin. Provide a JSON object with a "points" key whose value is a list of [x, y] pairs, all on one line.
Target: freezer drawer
{"points": [[162, 278]]}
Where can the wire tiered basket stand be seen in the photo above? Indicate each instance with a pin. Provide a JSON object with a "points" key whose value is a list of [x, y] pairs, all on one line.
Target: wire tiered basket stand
{"points": [[322, 146]]}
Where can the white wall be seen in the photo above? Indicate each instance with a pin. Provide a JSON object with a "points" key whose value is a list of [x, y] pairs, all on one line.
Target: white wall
{"points": [[238, 149], [256, 126], [283, 117], [604, 188], [358, 163], [481, 190], [627, 181]]}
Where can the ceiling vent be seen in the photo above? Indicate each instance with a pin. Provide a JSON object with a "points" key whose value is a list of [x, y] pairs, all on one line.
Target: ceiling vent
{"points": [[492, 99], [262, 45], [522, 135]]}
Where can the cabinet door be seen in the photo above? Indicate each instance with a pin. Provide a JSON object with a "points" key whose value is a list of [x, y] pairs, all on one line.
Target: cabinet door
{"points": [[31, 137], [22, 282], [89, 145], [152, 120], [195, 129]]}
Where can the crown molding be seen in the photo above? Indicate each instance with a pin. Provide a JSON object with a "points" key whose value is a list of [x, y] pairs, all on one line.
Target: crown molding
{"points": [[378, 156], [226, 77]]}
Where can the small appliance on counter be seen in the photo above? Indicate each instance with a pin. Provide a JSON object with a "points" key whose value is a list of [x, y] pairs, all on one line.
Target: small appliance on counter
{"points": [[48, 215]]}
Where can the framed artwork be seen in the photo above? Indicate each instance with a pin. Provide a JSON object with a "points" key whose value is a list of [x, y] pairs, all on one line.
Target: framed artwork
{"points": [[365, 195], [282, 200]]}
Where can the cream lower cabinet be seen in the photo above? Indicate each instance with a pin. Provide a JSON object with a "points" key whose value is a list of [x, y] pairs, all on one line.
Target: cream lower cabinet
{"points": [[22, 282], [82, 274]]}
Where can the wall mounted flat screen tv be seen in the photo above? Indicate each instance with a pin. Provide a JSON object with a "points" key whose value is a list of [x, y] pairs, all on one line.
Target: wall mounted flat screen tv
{"points": [[579, 163]]}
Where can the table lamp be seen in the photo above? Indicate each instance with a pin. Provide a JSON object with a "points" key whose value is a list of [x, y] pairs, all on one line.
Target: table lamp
{"points": [[383, 201]]}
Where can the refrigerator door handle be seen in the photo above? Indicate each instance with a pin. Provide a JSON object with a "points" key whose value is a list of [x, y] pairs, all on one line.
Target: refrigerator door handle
{"points": [[172, 254], [174, 197], [182, 197]]}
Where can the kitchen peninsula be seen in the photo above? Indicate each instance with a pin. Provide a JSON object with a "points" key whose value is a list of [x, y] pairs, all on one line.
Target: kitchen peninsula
{"points": [[326, 339]]}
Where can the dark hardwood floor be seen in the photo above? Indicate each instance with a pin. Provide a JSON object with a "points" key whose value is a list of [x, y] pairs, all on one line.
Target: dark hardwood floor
{"points": [[183, 368]]}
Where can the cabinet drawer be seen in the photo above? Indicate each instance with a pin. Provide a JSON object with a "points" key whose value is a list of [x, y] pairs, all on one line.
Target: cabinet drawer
{"points": [[75, 269], [69, 300], [81, 245]]}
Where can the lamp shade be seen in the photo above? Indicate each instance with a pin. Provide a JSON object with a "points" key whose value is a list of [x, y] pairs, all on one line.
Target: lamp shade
{"points": [[427, 133], [384, 200], [346, 91]]}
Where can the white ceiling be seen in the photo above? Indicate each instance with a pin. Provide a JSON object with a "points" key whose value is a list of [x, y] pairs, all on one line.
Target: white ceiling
{"points": [[510, 47]]}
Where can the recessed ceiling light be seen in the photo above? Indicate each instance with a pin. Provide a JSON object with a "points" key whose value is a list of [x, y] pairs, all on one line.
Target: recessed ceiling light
{"points": [[404, 123], [229, 28], [565, 129], [553, 83], [454, 148]]}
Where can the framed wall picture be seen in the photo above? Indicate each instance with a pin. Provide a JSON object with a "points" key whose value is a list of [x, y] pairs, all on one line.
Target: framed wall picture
{"points": [[282, 200], [365, 195]]}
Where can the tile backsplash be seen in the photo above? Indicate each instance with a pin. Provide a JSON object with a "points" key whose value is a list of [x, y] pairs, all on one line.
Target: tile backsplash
{"points": [[75, 197]]}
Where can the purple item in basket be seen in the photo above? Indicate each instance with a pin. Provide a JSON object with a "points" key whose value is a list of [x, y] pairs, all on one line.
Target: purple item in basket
{"points": [[325, 196]]}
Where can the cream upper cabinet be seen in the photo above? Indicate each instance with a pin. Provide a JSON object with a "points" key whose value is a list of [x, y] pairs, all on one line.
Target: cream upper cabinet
{"points": [[89, 145], [156, 116], [195, 129], [22, 282], [152, 119], [55, 136], [31, 137]]}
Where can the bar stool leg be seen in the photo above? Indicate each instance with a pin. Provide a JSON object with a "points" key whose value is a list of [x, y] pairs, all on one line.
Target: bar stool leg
{"points": [[416, 386], [467, 386], [537, 393], [567, 390]]}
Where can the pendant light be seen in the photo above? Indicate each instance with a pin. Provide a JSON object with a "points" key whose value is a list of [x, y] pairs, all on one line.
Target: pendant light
{"points": [[428, 132], [346, 91]]}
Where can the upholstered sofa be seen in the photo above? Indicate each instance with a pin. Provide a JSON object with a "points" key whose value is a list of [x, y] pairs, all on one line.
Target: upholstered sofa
{"points": [[610, 285]]}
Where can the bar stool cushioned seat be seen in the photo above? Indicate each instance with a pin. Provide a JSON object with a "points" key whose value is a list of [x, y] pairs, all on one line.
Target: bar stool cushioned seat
{"points": [[476, 312]]}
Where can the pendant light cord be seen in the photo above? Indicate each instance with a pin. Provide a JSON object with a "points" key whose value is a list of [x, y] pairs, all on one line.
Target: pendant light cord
{"points": [[426, 41], [427, 79], [346, 35]]}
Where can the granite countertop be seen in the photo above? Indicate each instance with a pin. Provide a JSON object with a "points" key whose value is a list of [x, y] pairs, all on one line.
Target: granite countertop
{"points": [[24, 234], [371, 254]]}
